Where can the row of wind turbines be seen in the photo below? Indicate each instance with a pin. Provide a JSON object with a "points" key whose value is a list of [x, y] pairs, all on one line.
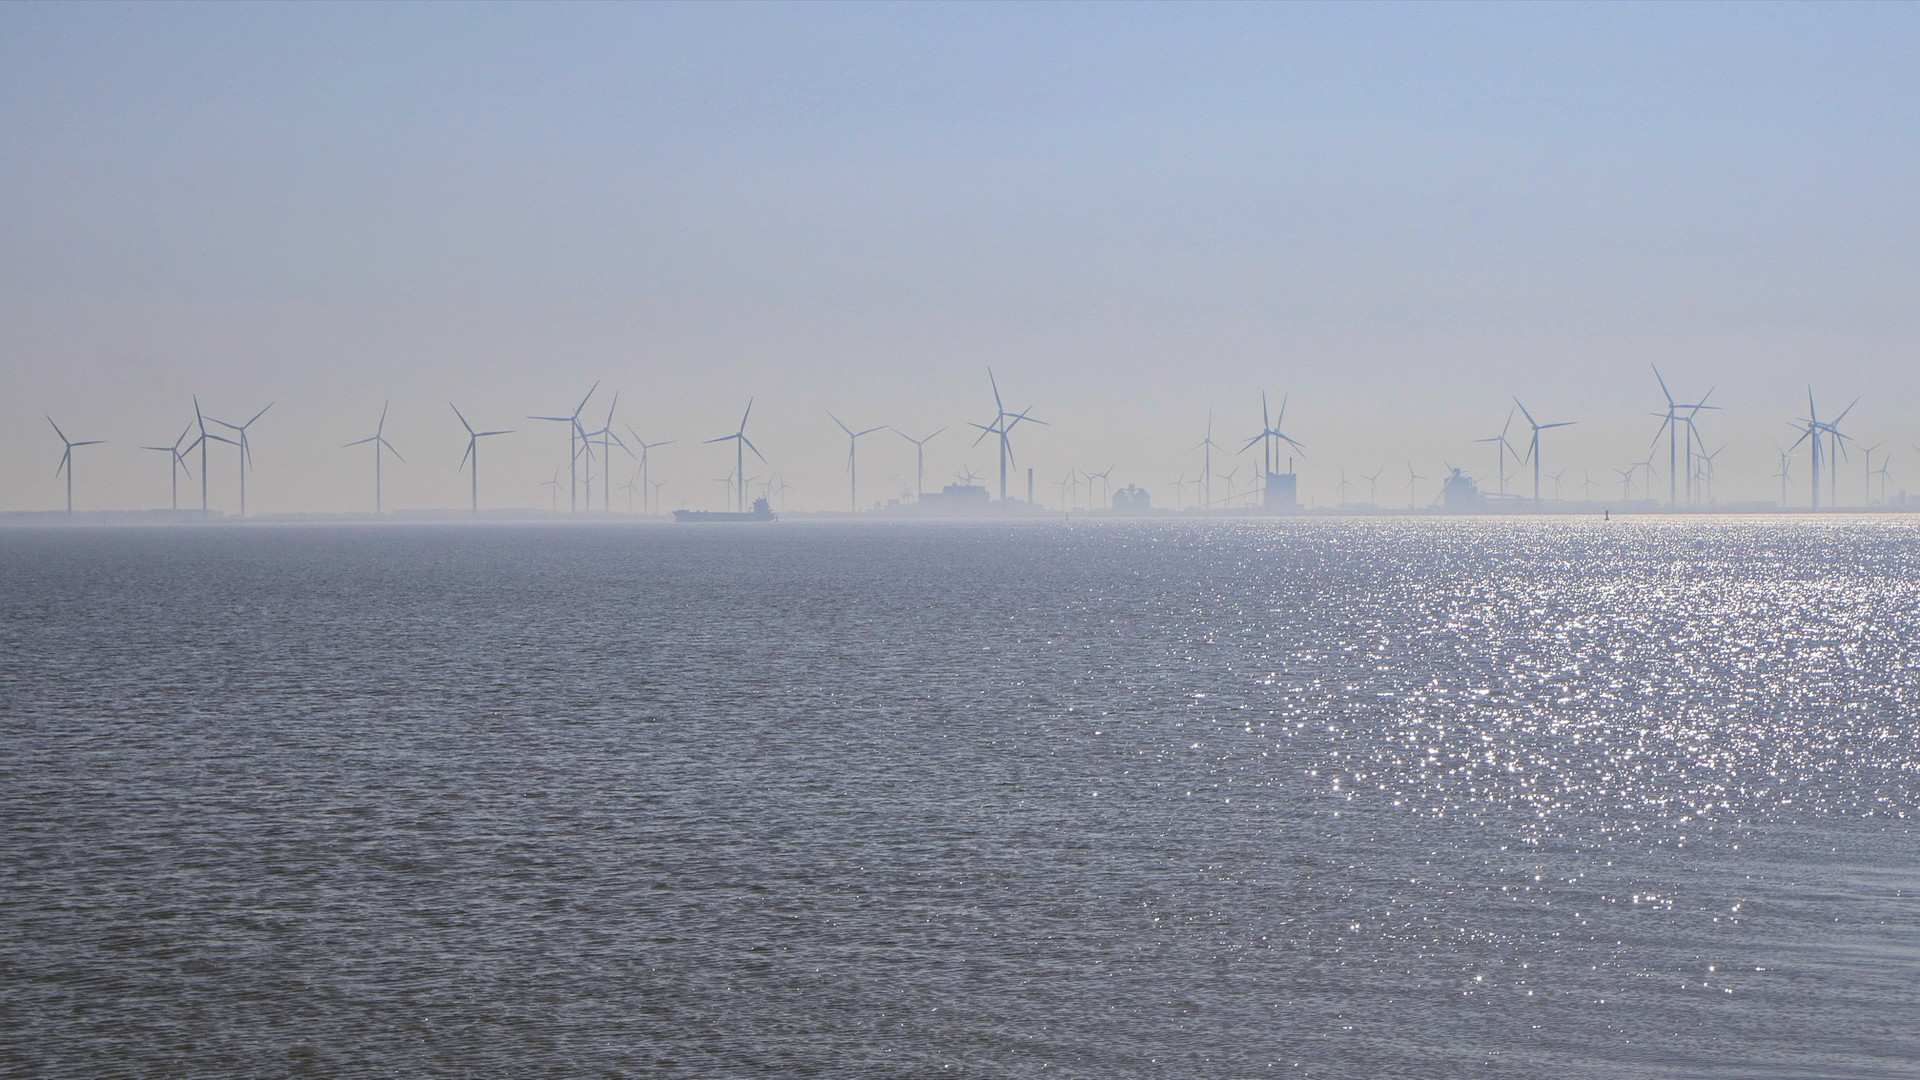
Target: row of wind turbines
{"points": [[594, 447]]}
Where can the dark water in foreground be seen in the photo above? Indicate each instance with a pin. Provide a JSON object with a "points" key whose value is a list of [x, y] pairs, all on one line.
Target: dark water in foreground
{"points": [[1334, 799]]}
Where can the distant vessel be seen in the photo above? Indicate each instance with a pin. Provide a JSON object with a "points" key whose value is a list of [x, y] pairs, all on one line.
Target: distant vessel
{"points": [[760, 512]]}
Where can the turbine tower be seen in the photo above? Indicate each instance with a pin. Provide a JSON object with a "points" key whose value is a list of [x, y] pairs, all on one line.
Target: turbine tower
{"points": [[741, 444], [1533, 447], [66, 460], [919, 461], [853, 472], [246, 450], [473, 452], [379, 441]]}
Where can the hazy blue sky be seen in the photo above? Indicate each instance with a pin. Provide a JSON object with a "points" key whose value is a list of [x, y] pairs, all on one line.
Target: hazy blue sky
{"points": [[1398, 214]]}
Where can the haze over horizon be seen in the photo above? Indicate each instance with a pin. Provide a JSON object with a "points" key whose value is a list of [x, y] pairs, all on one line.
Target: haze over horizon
{"points": [[1398, 216]]}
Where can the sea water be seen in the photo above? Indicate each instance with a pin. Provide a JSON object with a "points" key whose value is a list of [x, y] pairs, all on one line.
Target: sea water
{"points": [[1330, 798]]}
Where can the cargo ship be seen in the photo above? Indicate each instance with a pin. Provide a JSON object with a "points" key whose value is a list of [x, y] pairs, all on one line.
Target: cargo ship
{"points": [[760, 512]]}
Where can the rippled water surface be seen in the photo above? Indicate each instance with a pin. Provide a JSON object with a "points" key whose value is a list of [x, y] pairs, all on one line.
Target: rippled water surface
{"points": [[1310, 798]]}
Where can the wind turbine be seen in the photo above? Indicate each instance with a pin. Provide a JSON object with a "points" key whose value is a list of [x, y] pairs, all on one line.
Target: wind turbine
{"points": [[646, 476], [200, 421], [741, 444], [1228, 476], [246, 450], [1586, 485], [178, 461], [1270, 433], [1670, 423], [1002, 427], [1208, 446], [473, 451], [853, 473], [1837, 440], [1707, 473], [1533, 447], [628, 487], [1502, 448], [575, 434], [1815, 430], [608, 440], [554, 485], [1786, 468], [379, 441], [1884, 476], [1868, 494], [1412, 479], [1626, 482], [66, 459], [1106, 487], [1343, 485], [1810, 435], [1373, 488], [919, 461]]}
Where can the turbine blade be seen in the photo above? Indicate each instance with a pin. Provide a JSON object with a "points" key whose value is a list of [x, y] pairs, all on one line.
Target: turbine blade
{"points": [[1663, 386]]}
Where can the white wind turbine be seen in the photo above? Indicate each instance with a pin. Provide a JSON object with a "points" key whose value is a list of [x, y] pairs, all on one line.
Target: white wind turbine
{"points": [[608, 440], [246, 450], [1502, 448], [1533, 447], [1270, 435], [741, 444], [473, 452], [853, 467], [380, 443], [177, 460], [1671, 422], [201, 441], [919, 460], [1207, 446], [66, 459], [575, 435], [1002, 428], [646, 474]]}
